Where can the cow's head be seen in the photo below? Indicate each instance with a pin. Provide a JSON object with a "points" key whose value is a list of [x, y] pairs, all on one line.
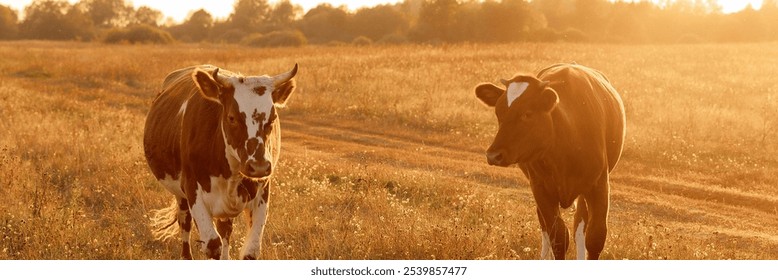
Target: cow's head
{"points": [[248, 113], [523, 111]]}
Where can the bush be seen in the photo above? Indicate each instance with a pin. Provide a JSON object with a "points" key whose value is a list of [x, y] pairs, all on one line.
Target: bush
{"points": [[140, 33], [574, 35], [362, 41], [232, 36], [335, 43], [393, 39], [253, 39], [545, 35], [290, 38]]}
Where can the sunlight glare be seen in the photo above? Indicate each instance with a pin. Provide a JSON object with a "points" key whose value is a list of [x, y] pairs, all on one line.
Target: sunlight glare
{"points": [[731, 6]]}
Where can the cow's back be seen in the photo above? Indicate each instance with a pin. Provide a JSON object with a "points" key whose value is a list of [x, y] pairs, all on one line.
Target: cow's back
{"points": [[590, 110], [162, 135]]}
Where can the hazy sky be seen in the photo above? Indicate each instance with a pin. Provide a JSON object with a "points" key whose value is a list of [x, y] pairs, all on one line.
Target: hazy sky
{"points": [[179, 9]]}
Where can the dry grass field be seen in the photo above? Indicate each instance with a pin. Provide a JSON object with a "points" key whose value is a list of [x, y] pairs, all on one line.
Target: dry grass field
{"points": [[383, 151]]}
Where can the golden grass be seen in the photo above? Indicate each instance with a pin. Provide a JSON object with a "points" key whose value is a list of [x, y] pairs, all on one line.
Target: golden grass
{"points": [[382, 151]]}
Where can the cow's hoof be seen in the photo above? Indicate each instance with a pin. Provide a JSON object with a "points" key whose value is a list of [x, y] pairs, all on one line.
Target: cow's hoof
{"points": [[212, 249]]}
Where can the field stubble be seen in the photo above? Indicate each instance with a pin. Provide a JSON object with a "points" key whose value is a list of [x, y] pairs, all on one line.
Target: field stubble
{"points": [[383, 151]]}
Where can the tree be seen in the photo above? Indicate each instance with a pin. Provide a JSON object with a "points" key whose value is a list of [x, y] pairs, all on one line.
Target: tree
{"points": [[628, 21], [78, 24], [557, 12], [379, 21], [109, 13], [769, 10], [745, 26], [195, 29], [283, 16], [147, 16], [8, 23], [508, 20], [436, 21], [590, 16], [55, 20], [138, 33], [249, 15], [44, 19], [325, 23]]}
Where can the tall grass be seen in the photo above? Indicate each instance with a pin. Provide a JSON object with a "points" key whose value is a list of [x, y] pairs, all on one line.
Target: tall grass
{"points": [[382, 151]]}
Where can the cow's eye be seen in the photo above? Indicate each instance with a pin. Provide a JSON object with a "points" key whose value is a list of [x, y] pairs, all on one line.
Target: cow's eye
{"points": [[232, 120]]}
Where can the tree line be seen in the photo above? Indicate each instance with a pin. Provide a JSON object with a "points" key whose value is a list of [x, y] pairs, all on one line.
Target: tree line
{"points": [[261, 23]]}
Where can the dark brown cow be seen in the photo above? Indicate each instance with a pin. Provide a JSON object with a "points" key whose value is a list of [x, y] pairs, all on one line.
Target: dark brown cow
{"points": [[565, 129], [212, 139]]}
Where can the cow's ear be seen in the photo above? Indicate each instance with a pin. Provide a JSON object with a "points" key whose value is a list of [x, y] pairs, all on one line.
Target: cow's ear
{"points": [[207, 85], [282, 92], [547, 100], [488, 93]]}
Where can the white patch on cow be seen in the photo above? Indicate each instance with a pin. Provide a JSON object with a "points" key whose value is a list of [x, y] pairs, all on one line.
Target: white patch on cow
{"points": [[545, 246], [225, 249], [515, 90], [253, 241], [173, 185], [223, 200], [251, 153], [183, 108], [203, 219], [231, 154], [580, 241]]}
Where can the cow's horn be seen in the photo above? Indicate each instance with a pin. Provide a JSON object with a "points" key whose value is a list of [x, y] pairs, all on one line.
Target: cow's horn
{"points": [[285, 77], [217, 78]]}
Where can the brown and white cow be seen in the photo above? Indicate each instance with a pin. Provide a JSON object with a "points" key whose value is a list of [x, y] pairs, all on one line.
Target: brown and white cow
{"points": [[565, 129], [212, 138]]}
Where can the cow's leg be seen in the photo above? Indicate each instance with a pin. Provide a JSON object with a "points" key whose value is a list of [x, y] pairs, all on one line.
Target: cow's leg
{"points": [[597, 229], [212, 243], [579, 224], [545, 240], [185, 224], [554, 231], [257, 216], [224, 227]]}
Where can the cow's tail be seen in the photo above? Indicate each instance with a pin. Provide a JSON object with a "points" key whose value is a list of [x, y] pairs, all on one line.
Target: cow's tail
{"points": [[164, 222]]}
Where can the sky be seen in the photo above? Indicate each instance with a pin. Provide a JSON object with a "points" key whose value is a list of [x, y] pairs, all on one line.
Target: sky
{"points": [[180, 9]]}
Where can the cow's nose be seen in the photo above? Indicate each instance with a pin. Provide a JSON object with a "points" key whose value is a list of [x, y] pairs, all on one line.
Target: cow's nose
{"points": [[494, 158], [258, 169]]}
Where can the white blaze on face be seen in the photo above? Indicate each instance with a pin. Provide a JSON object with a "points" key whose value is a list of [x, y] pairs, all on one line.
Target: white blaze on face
{"points": [[580, 241], [250, 102], [515, 90]]}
